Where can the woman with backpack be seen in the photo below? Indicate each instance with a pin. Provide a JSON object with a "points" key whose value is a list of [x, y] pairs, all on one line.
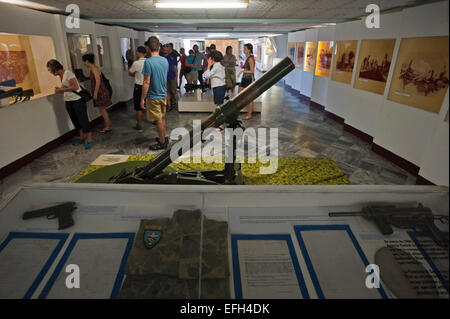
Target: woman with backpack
{"points": [[100, 93], [75, 105]]}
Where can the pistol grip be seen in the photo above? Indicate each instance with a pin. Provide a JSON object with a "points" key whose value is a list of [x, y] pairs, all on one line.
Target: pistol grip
{"points": [[65, 221], [383, 226]]}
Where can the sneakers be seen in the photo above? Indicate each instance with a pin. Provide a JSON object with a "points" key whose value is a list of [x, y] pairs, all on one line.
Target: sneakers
{"points": [[159, 145], [138, 128], [88, 145], [77, 141]]}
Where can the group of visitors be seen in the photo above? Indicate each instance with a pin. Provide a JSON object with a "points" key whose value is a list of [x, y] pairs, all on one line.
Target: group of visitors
{"points": [[156, 81]]}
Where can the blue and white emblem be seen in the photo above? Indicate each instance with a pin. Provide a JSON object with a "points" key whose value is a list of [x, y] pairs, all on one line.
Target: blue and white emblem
{"points": [[152, 237]]}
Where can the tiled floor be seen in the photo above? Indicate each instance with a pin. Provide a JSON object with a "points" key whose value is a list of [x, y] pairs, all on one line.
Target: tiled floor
{"points": [[303, 132]]}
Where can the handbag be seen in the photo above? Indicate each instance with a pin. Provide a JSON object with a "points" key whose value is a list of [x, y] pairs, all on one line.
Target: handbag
{"points": [[84, 94]]}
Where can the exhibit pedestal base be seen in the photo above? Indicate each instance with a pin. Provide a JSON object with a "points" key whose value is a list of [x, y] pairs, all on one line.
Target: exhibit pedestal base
{"points": [[204, 102]]}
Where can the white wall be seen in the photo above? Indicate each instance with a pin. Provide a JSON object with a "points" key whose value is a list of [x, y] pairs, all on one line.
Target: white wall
{"points": [[419, 136], [28, 126], [411, 139], [42, 120], [282, 43]]}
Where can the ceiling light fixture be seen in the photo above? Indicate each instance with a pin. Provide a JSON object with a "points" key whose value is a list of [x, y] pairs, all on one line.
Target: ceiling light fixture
{"points": [[30, 5], [218, 35], [197, 4]]}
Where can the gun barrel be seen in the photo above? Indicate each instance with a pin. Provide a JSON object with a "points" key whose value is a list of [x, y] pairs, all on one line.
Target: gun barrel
{"points": [[48, 210], [10, 93], [225, 113], [345, 214]]}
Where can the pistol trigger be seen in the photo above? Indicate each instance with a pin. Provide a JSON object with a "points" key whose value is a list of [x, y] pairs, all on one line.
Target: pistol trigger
{"points": [[51, 216]]}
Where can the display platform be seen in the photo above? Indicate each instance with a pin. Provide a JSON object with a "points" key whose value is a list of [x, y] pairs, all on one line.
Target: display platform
{"points": [[291, 170], [204, 102], [281, 242]]}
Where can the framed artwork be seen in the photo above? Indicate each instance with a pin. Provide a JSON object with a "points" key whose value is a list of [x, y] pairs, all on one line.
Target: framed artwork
{"points": [[310, 56], [344, 61], [13, 65], [270, 47], [324, 55], [374, 63], [421, 73], [291, 51], [299, 54]]}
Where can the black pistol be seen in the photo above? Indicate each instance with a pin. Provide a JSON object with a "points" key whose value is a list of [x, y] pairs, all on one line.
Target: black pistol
{"points": [[62, 211]]}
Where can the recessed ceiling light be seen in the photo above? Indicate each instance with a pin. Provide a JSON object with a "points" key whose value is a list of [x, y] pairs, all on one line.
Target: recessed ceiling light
{"points": [[30, 4], [192, 4], [218, 35]]}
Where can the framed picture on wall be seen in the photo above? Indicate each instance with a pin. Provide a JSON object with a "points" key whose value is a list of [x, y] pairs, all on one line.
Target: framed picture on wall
{"points": [[421, 73], [310, 56], [374, 63], [344, 61], [291, 50], [299, 54], [324, 55]]}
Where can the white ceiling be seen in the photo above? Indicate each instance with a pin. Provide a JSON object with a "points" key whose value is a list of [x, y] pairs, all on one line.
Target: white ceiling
{"points": [[257, 9]]}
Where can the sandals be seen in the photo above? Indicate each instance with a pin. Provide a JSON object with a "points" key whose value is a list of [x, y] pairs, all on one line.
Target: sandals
{"points": [[104, 131], [247, 117]]}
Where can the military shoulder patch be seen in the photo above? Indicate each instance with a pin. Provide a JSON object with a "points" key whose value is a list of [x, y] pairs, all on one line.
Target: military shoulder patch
{"points": [[152, 236]]}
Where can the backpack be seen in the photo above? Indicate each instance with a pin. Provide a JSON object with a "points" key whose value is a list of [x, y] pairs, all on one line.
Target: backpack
{"points": [[107, 85]]}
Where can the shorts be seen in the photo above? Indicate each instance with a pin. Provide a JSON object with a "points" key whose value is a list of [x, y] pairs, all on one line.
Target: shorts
{"points": [[171, 85], [230, 79], [192, 76], [246, 82], [137, 94], [219, 94], [156, 109]]}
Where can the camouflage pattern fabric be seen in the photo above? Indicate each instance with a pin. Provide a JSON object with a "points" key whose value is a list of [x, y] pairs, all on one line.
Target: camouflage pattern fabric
{"points": [[158, 287], [215, 289], [163, 259], [215, 282], [215, 250], [171, 268]]}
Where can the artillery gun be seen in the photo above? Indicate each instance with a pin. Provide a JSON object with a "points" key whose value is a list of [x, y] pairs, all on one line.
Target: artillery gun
{"points": [[157, 171]]}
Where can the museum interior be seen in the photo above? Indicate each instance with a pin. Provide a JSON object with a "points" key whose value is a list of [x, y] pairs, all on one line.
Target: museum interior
{"points": [[239, 149]]}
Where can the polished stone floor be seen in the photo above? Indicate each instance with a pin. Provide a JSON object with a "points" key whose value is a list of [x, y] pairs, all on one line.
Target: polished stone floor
{"points": [[304, 131]]}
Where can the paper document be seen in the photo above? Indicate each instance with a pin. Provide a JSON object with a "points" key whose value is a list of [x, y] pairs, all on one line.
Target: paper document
{"points": [[267, 270]]}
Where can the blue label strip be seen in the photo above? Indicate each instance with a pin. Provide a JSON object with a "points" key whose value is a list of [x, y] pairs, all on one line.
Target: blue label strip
{"points": [[73, 242], [312, 273], [60, 237], [414, 236], [237, 271]]}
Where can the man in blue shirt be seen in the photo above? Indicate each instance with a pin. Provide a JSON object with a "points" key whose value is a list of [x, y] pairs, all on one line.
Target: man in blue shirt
{"points": [[172, 76], [154, 89]]}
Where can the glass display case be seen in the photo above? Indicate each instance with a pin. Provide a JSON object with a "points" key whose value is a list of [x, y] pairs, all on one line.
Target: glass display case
{"points": [[23, 67], [127, 52], [79, 44]]}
